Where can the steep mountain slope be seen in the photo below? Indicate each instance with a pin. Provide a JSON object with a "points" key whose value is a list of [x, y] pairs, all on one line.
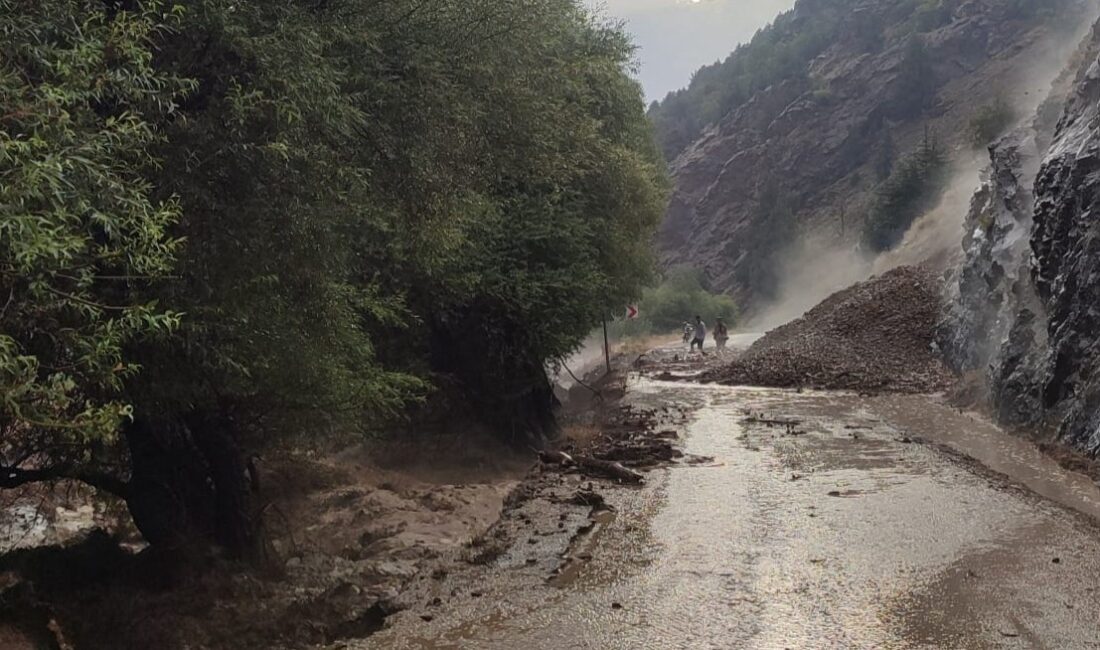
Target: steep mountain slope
{"points": [[863, 83], [1027, 294]]}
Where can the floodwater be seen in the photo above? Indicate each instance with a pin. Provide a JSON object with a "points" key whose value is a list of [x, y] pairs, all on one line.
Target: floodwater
{"points": [[857, 527]]}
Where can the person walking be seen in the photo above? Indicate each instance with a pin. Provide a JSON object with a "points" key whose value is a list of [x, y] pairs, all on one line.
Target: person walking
{"points": [[721, 335], [700, 330]]}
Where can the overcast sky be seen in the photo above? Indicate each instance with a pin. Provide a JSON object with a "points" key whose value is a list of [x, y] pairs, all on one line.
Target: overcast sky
{"points": [[677, 37]]}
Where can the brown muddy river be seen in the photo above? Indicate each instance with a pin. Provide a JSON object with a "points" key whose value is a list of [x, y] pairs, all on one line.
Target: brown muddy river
{"points": [[845, 532]]}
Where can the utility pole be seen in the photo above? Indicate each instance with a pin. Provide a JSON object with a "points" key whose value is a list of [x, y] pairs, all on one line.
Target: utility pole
{"points": [[606, 347]]}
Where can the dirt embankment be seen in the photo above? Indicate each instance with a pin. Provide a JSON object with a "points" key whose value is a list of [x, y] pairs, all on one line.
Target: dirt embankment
{"points": [[346, 530], [357, 536], [876, 336]]}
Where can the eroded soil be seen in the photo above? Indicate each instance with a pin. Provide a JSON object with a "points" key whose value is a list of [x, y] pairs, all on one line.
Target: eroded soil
{"points": [[825, 520]]}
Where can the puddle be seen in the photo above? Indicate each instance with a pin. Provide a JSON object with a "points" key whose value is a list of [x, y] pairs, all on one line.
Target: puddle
{"points": [[582, 550], [978, 438]]}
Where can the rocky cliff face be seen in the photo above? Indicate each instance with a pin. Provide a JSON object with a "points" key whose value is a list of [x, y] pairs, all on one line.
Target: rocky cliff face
{"points": [[1027, 308], [801, 157]]}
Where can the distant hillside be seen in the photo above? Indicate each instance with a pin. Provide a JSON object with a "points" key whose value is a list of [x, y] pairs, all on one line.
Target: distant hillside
{"points": [[838, 122]]}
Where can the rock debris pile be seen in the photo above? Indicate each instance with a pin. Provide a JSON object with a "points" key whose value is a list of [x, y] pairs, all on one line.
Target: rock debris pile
{"points": [[876, 336]]}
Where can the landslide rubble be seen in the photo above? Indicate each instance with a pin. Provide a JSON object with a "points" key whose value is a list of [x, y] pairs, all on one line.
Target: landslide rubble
{"points": [[874, 336]]}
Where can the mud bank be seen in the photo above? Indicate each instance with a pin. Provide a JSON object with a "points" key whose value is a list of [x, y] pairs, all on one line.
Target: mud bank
{"points": [[347, 532], [355, 538]]}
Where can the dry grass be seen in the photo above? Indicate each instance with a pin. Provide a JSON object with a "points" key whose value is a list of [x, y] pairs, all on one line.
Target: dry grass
{"points": [[581, 436], [636, 346]]}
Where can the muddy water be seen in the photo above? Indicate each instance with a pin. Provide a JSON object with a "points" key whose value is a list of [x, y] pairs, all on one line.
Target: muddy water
{"points": [[837, 532]]}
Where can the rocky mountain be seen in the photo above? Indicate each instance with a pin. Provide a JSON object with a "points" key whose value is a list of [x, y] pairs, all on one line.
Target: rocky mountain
{"points": [[803, 147], [1026, 313]]}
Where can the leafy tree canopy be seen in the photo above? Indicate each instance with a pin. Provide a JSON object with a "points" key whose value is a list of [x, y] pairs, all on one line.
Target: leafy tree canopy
{"points": [[678, 299], [80, 230], [230, 220]]}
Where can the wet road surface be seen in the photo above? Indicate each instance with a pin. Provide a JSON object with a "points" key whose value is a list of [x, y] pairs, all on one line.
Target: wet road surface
{"points": [[859, 527]]}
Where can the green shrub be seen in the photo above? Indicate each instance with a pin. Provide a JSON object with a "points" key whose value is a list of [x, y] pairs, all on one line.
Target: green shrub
{"points": [[678, 299], [913, 188], [990, 122]]}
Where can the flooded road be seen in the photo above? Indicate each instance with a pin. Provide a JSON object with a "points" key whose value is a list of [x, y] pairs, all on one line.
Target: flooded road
{"points": [[862, 524]]}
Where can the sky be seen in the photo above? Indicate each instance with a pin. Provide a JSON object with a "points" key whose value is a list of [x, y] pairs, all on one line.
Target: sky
{"points": [[677, 37]]}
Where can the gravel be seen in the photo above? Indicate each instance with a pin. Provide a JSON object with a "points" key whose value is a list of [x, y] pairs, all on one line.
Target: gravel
{"points": [[876, 336]]}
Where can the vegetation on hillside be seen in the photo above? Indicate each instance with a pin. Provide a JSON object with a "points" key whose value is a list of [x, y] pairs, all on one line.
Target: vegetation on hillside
{"points": [[235, 221], [779, 52], [783, 51], [991, 122], [915, 185], [679, 298]]}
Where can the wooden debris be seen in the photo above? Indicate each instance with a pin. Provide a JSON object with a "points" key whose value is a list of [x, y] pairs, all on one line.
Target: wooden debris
{"points": [[609, 468]]}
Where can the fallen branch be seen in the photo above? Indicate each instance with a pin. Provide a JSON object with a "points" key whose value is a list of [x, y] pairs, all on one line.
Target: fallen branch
{"points": [[773, 423], [592, 466], [609, 468], [556, 458]]}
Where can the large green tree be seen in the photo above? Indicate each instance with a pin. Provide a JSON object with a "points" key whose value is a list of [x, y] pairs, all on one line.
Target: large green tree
{"points": [[80, 233], [376, 201]]}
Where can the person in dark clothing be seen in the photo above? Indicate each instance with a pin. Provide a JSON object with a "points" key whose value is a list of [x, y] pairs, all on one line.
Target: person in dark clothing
{"points": [[721, 335]]}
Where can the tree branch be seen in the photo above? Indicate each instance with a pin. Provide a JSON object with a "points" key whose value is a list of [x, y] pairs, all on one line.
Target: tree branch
{"points": [[14, 477]]}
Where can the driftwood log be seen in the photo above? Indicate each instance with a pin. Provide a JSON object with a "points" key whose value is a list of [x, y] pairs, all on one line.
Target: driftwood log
{"points": [[610, 469], [592, 466]]}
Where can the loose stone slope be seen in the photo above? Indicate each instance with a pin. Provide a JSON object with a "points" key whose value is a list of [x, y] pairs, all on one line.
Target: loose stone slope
{"points": [[874, 336]]}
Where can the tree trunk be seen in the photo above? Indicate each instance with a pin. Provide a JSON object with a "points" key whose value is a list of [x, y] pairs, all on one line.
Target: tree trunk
{"points": [[189, 487], [505, 384], [236, 515], [169, 497]]}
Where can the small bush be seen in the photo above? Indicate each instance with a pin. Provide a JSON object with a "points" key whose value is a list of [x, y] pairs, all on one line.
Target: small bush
{"points": [[990, 122], [679, 298]]}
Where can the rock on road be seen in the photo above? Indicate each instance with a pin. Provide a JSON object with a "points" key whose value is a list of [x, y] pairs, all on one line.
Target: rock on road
{"points": [[867, 526]]}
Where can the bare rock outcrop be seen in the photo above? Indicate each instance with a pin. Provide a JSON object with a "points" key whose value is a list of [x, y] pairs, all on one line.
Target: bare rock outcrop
{"points": [[802, 156], [1026, 301]]}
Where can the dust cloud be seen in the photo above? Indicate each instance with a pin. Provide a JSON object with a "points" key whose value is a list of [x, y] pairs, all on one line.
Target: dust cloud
{"points": [[813, 268], [810, 271], [584, 360], [934, 239]]}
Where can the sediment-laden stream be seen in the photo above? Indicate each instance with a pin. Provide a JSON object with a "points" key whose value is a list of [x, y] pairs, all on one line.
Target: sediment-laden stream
{"points": [[868, 522]]}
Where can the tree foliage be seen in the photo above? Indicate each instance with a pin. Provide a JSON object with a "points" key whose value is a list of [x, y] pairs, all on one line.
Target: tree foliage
{"points": [[370, 184], [678, 299], [322, 210], [915, 185], [80, 231]]}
